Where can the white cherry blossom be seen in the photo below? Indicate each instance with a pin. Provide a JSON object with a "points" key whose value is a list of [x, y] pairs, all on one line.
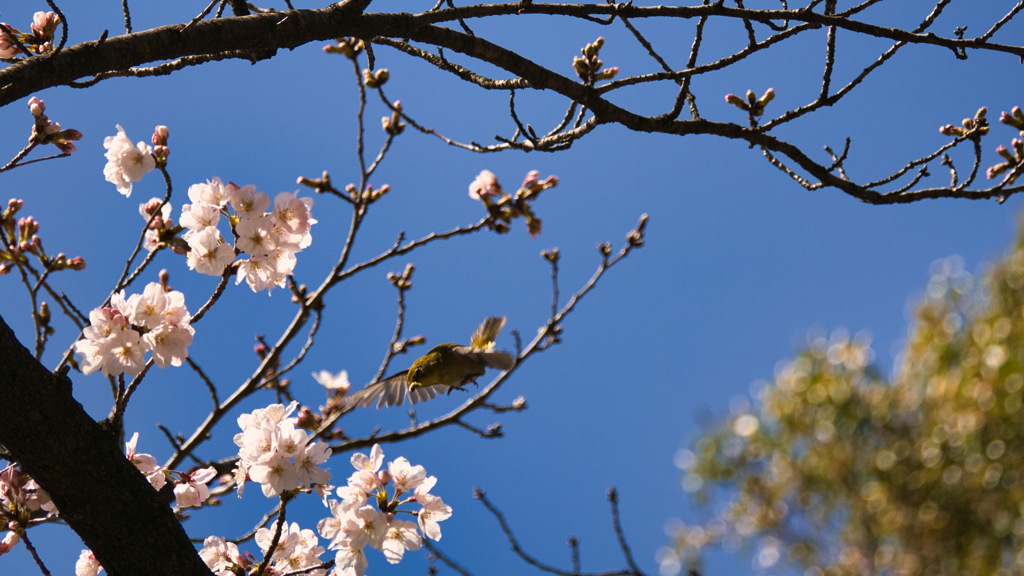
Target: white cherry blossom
{"points": [[126, 163]]}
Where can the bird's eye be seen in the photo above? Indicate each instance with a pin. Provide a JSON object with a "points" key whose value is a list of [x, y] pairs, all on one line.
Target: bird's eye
{"points": [[416, 374]]}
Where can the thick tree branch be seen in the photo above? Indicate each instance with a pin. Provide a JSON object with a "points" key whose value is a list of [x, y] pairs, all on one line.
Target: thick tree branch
{"points": [[100, 494]]}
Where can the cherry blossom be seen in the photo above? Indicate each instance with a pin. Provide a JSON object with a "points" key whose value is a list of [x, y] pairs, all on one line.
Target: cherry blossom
{"points": [[219, 556], [406, 477], [9, 541], [248, 202], [277, 454], [485, 185], [208, 254], [145, 463], [276, 473], [118, 337], [353, 524], [87, 564], [126, 163], [401, 536], [214, 192], [125, 354], [191, 489], [333, 382]]}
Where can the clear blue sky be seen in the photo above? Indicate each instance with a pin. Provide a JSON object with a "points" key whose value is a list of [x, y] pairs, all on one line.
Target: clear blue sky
{"points": [[740, 262]]}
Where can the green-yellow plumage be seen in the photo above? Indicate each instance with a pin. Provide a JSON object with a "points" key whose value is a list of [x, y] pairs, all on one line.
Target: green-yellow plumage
{"points": [[444, 367]]}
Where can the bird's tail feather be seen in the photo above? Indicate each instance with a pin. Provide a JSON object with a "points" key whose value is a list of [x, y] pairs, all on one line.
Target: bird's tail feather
{"points": [[487, 333]]}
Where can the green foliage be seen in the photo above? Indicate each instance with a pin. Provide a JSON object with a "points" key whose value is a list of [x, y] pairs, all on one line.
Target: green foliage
{"points": [[840, 470]]}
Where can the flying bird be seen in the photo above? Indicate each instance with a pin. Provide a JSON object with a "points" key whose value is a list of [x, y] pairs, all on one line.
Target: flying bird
{"points": [[444, 368]]}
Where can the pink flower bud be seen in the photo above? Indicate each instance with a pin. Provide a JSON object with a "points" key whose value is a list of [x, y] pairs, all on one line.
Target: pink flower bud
{"points": [[307, 419], [10, 540], [152, 206], [77, 263], [37, 107], [160, 134]]}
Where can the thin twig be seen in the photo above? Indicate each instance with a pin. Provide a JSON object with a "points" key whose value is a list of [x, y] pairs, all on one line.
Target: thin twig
{"points": [[206, 380], [127, 16], [269, 552], [613, 498], [35, 555], [518, 549]]}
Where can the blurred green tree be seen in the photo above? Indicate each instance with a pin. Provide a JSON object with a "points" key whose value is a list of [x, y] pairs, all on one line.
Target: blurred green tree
{"points": [[839, 469]]}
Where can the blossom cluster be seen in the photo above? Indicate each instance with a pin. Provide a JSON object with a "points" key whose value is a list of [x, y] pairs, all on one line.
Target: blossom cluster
{"points": [[504, 207], [20, 237], [120, 334], [46, 131], [21, 498], [38, 41], [353, 524], [269, 235], [296, 550], [190, 489], [160, 225], [276, 453], [588, 68]]}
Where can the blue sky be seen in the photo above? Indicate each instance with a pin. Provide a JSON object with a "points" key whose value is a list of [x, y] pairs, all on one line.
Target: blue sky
{"points": [[740, 262]]}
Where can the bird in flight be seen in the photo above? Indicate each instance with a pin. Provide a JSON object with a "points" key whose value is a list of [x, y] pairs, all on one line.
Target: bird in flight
{"points": [[444, 368]]}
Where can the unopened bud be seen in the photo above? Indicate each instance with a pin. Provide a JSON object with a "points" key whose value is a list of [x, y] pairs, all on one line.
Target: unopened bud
{"points": [[307, 420], [369, 79], [165, 278], [44, 312], [160, 134], [36, 106], [604, 248], [77, 263], [152, 206], [551, 255]]}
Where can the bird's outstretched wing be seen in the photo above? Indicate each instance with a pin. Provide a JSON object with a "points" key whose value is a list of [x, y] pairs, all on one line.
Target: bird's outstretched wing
{"points": [[392, 391], [487, 333], [488, 356]]}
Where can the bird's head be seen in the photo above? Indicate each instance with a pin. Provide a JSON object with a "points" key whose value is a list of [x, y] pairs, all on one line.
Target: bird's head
{"points": [[415, 377]]}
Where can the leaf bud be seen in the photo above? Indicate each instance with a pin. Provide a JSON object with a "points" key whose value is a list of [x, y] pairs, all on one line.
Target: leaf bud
{"points": [[551, 255]]}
